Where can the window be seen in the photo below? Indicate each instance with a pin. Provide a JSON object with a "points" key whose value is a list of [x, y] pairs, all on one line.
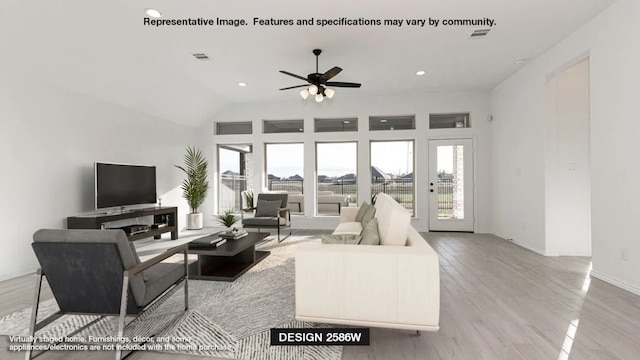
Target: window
{"points": [[233, 128], [285, 171], [336, 125], [282, 126], [392, 122], [392, 171], [449, 121], [336, 169], [234, 169]]}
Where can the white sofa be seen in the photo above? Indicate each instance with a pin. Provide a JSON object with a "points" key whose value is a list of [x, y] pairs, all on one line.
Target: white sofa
{"points": [[376, 286]]}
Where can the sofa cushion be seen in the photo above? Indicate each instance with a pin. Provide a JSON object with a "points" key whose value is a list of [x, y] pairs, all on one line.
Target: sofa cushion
{"points": [[341, 239], [363, 209], [393, 221], [368, 215], [160, 277], [268, 208], [348, 228], [370, 234]]}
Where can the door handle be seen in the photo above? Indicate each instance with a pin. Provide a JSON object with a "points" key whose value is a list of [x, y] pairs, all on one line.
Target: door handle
{"points": [[431, 184], [430, 190]]}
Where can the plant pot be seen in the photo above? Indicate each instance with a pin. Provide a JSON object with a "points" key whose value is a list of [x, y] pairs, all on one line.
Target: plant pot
{"points": [[195, 221]]}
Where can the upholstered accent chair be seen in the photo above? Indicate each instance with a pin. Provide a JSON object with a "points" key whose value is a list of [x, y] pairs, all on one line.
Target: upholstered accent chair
{"points": [[272, 212], [98, 272]]}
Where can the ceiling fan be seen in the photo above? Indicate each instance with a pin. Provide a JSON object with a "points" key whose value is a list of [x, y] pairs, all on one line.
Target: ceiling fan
{"points": [[318, 84]]}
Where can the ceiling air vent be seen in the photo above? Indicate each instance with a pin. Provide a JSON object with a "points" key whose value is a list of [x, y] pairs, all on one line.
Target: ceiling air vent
{"points": [[201, 56], [480, 33]]}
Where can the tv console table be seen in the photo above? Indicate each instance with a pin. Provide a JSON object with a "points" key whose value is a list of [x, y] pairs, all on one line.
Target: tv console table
{"points": [[161, 215]]}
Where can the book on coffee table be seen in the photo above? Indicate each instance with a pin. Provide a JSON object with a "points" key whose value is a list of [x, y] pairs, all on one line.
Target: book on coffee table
{"points": [[218, 243], [209, 240], [234, 235]]}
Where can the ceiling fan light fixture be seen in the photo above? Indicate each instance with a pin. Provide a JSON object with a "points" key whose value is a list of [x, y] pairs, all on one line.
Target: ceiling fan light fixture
{"points": [[329, 92], [316, 83]]}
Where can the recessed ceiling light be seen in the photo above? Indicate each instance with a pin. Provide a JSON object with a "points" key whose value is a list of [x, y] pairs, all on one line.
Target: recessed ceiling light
{"points": [[421, 72], [383, 120], [521, 61], [153, 13], [242, 84]]}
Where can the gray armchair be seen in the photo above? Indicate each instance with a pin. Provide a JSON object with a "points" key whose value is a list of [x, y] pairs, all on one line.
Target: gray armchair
{"points": [[98, 272], [271, 211]]}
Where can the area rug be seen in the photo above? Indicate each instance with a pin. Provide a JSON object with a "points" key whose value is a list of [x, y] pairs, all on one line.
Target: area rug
{"points": [[225, 319]]}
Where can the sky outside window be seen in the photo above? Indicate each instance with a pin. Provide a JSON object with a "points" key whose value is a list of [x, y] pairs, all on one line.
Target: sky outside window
{"points": [[285, 160], [337, 159]]}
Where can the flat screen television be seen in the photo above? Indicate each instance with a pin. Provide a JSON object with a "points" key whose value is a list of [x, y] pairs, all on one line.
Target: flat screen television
{"points": [[121, 184]]}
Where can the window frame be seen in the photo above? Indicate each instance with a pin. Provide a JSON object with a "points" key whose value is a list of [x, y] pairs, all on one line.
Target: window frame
{"points": [[218, 124]]}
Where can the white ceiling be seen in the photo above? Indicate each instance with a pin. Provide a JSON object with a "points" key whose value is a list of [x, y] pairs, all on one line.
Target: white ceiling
{"points": [[101, 48]]}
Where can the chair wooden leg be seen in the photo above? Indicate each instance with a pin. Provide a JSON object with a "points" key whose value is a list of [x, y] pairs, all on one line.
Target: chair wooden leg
{"points": [[34, 313]]}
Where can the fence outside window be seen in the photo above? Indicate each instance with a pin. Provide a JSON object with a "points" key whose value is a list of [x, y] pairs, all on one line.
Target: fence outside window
{"points": [[401, 190], [231, 188]]}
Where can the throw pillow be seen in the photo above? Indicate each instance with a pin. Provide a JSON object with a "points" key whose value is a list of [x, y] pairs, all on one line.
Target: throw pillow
{"points": [[341, 239], [361, 211], [370, 234], [368, 215], [268, 208]]}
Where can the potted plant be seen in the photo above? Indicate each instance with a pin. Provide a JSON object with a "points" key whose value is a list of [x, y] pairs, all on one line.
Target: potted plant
{"points": [[248, 198], [227, 218], [195, 185]]}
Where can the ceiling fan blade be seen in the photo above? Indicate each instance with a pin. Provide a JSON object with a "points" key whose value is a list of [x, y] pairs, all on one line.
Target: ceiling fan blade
{"points": [[293, 87], [343, 84], [294, 75], [331, 73]]}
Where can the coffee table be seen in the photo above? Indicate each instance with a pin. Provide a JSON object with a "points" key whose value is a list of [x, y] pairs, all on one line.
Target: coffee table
{"points": [[228, 261]]}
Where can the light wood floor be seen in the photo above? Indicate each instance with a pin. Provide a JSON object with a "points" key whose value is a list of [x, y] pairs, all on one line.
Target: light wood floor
{"points": [[498, 301]]}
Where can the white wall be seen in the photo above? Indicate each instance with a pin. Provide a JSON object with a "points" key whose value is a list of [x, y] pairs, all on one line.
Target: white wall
{"points": [[49, 140], [420, 105], [611, 42], [517, 162], [567, 192]]}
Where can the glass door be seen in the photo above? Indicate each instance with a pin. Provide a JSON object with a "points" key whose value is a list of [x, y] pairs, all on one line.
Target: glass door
{"points": [[451, 185], [234, 174]]}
